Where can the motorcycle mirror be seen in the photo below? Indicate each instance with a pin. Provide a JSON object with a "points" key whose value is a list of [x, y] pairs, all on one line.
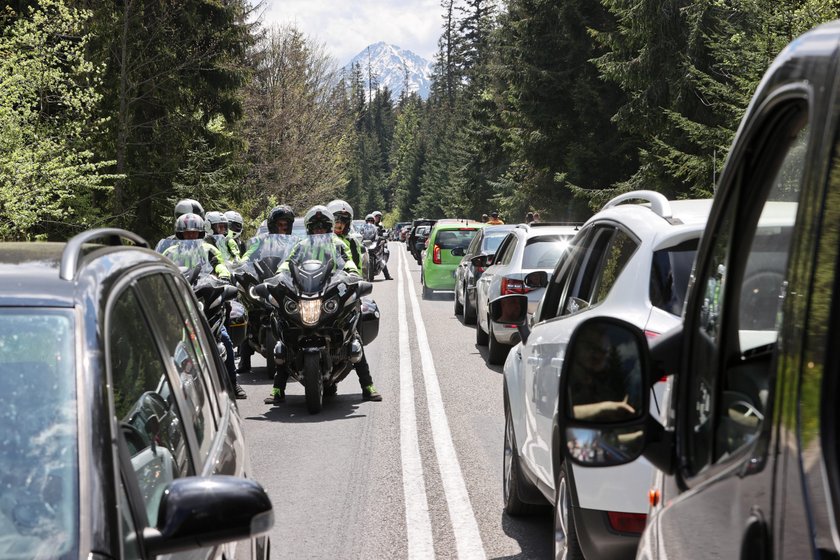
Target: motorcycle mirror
{"points": [[230, 293], [364, 288], [261, 290]]}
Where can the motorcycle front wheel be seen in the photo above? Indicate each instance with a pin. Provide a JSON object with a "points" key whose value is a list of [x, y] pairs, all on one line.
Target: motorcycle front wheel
{"points": [[313, 382]]}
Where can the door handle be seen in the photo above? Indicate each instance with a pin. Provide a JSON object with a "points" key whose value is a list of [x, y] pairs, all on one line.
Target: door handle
{"points": [[535, 360], [557, 362]]}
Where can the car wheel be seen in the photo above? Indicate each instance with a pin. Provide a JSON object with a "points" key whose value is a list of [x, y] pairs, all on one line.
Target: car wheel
{"points": [[469, 310], [513, 483], [566, 545], [459, 307], [427, 293], [496, 351], [481, 337]]}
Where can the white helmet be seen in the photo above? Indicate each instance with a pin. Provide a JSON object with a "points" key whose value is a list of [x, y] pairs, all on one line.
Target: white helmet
{"points": [[318, 216], [339, 206], [369, 217], [376, 214], [235, 222], [213, 219], [188, 206]]}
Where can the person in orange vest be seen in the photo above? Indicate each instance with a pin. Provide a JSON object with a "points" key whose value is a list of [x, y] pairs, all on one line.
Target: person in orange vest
{"points": [[494, 219]]}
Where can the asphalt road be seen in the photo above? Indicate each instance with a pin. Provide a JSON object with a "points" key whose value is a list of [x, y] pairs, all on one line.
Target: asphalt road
{"points": [[417, 475]]}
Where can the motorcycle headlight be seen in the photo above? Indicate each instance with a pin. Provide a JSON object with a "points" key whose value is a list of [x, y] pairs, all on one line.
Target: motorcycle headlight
{"points": [[331, 305], [310, 311], [290, 306]]}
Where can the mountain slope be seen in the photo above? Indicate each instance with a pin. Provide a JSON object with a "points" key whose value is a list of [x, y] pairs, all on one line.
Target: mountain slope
{"points": [[389, 65]]}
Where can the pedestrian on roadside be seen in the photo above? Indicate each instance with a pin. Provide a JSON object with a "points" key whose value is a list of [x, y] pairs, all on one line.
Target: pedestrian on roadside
{"points": [[494, 219], [536, 217], [484, 218], [529, 218]]}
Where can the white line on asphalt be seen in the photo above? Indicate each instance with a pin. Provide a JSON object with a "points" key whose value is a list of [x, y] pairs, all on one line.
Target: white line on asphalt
{"points": [[464, 525], [418, 525]]}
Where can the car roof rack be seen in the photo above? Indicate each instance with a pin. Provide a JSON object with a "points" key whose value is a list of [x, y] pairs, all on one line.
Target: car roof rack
{"points": [[73, 250], [658, 202]]}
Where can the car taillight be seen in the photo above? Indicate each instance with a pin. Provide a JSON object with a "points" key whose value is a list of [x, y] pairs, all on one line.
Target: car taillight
{"points": [[436, 254], [627, 522], [650, 336], [514, 286]]}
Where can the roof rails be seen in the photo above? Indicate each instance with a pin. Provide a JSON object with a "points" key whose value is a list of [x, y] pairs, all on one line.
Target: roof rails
{"points": [[658, 202], [73, 250], [540, 224]]}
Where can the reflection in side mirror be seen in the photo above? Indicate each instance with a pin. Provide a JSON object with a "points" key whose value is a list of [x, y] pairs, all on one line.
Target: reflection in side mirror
{"points": [[605, 394], [480, 261], [512, 309], [458, 252], [537, 279]]}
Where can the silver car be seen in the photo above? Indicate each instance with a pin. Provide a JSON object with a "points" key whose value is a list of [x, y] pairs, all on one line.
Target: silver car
{"points": [[526, 249]]}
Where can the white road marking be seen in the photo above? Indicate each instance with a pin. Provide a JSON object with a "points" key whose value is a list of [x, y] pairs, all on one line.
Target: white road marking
{"points": [[464, 524], [418, 525]]}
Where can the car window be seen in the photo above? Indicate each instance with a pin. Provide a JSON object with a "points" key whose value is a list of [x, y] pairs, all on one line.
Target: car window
{"points": [[179, 337], [150, 424], [505, 252], [551, 304], [742, 283], [585, 278], [475, 244], [670, 269], [450, 239], [491, 242], [39, 482], [616, 257], [544, 251]]}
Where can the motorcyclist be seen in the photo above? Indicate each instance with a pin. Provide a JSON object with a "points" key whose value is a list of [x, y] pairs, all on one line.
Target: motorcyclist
{"points": [[216, 228], [279, 221], [318, 221], [234, 236], [343, 214], [191, 226], [377, 221], [183, 206]]}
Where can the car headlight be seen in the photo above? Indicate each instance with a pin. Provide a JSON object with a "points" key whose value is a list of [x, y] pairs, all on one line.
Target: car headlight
{"points": [[291, 307], [310, 311], [331, 305]]}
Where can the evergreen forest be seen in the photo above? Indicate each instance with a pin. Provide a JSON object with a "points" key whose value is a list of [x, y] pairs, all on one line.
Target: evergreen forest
{"points": [[110, 112]]}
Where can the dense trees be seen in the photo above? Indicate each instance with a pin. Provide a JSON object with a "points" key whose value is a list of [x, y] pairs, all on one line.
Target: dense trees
{"points": [[110, 112]]}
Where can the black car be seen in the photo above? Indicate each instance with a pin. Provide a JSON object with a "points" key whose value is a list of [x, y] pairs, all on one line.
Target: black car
{"points": [[120, 438], [748, 459], [485, 242]]}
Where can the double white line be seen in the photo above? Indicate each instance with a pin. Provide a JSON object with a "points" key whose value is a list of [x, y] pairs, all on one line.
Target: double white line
{"points": [[418, 523]]}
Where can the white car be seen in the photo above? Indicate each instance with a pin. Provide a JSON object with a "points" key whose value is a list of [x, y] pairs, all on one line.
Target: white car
{"points": [[527, 248], [630, 261]]}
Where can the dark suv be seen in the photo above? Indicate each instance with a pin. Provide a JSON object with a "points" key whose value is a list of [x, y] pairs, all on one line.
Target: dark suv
{"points": [[120, 438], [748, 457]]}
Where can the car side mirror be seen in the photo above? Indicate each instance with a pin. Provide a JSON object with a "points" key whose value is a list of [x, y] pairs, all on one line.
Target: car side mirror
{"points": [[196, 511], [513, 310], [537, 279], [482, 261], [604, 393], [458, 252]]}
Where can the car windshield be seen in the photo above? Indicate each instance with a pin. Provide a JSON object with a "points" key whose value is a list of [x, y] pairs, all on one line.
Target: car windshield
{"points": [[669, 273], [492, 241], [450, 239], [39, 486], [544, 251]]}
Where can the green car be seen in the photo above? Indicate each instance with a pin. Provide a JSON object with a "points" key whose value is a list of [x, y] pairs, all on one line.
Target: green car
{"points": [[439, 264]]}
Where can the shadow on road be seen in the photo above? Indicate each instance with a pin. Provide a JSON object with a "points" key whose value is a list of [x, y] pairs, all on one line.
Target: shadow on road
{"points": [[533, 533], [485, 353], [440, 296], [293, 411]]}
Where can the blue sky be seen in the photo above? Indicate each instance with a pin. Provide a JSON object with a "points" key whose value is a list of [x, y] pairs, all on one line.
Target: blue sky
{"points": [[345, 27]]}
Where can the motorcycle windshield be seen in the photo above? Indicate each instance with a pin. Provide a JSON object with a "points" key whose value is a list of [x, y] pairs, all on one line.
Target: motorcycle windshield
{"points": [[265, 253], [313, 261], [221, 243], [187, 254], [369, 232]]}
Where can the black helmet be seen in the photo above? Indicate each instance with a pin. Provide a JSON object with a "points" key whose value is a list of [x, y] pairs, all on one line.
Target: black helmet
{"points": [[280, 213], [319, 216]]}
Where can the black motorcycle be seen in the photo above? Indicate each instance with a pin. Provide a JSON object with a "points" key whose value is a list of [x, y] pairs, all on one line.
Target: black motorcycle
{"points": [[320, 317], [376, 249], [260, 262]]}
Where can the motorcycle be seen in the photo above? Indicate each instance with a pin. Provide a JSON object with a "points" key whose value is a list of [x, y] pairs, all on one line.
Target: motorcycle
{"points": [[213, 294], [376, 248], [260, 262], [321, 318]]}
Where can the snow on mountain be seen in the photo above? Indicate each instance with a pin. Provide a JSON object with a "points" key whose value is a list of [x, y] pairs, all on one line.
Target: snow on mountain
{"points": [[388, 65]]}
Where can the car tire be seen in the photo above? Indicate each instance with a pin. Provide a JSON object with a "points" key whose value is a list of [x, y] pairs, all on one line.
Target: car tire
{"points": [[514, 484], [427, 293], [469, 310], [459, 307], [566, 543], [481, 337], [496, 351]]}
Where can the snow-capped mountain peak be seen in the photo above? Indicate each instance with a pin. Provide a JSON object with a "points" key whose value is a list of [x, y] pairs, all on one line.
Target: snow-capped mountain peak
{"points": [[389, 65]]}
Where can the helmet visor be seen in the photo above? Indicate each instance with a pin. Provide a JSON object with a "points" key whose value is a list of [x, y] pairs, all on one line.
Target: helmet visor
{"points": [[235, 227]]}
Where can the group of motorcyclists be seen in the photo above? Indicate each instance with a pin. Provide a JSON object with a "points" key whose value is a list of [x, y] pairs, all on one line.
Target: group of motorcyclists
{"points": [[219, 235]]}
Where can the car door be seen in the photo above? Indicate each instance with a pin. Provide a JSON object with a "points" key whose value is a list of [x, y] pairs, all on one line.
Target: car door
{"points": [[734, 322]]}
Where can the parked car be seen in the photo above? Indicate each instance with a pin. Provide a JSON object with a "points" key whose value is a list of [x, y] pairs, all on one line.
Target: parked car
{"points": [[439, 263], [747, 457], [486, 241], [121, 436], [525, 249], [631, 261], [418, 236]]}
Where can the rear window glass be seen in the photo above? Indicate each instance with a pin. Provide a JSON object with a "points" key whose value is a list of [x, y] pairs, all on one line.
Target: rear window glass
{"points": [[39, 496], [450, 239], [491, 242], [669, 272], [544, 251]]}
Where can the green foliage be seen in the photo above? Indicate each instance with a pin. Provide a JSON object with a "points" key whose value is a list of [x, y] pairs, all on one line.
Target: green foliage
{"points": [[49, 173]]}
